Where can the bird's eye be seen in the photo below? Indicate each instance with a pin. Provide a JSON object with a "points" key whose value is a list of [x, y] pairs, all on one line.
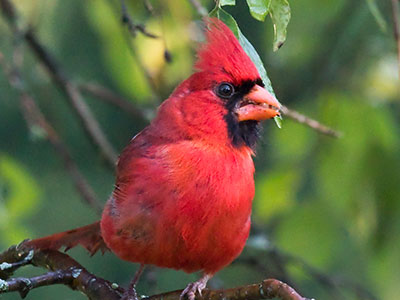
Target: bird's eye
{"points": [[225, 90]]}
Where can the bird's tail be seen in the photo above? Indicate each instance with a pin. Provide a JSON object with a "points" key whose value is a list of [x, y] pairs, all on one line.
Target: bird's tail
{"points": [[88, 236]]}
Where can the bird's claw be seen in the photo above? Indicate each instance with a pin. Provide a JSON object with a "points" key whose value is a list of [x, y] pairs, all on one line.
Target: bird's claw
{"points": [[197, 286], [190, 291]]}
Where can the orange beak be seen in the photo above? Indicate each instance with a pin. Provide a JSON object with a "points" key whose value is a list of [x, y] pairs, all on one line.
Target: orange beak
{"points": [[258, 105]]}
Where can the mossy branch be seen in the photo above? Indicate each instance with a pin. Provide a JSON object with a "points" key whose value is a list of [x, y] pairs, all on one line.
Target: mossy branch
{"points": [[65, 270]]}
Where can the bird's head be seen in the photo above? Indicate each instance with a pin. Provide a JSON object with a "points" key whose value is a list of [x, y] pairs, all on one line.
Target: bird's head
{"points": [[225, 97]]}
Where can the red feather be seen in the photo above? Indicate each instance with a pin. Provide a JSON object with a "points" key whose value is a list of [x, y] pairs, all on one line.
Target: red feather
{"points": [[223, 54], [88, 236]]}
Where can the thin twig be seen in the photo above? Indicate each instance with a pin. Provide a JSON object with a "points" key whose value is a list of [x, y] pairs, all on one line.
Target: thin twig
{"points": [[89, 122], [86, 116], [138, 62], [300, 118], [8, 267], [201, 10], [132, 27], [24, 285], [111, 97], [35, 118], [396, 29], [159, 17], [149, 6]]}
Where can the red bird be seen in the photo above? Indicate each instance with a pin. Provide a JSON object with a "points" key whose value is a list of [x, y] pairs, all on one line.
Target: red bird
{"points": [[184, 185]]}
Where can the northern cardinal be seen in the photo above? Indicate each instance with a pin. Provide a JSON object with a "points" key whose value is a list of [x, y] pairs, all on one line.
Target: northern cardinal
{"points": [[184, 185]]}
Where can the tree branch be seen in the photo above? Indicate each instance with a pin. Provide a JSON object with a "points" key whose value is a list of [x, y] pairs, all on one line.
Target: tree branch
{"points": [[35, 118], [267, 289], [75, 98], [107, 95], [65, 270]]}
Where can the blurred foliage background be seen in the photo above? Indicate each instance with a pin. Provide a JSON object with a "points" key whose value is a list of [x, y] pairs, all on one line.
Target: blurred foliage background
{"points": [[327, 211]]}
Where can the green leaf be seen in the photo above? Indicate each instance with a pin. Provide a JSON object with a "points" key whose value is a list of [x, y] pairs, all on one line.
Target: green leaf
{"points": [[225, 17], [373, 8], [227, 2], [280, 15], [278, 121], [252, 53], [259, 8]]}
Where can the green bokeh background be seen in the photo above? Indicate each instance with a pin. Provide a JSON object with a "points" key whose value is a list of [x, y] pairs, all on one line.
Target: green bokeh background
{"points": [[324, 204]]}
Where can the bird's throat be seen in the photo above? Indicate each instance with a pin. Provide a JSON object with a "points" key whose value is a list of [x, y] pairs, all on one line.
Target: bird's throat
{"points": [[246, 133]]}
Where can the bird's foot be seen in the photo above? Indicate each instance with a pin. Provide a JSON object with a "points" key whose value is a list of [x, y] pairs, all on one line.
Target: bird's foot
{"points": [[198, 286]]}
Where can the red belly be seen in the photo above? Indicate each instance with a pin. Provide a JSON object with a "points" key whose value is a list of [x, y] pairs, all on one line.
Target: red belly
{"points": [[187, 218], [179, 241]]}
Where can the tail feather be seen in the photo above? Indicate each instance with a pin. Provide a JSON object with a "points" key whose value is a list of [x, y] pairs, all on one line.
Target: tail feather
{"points": [[88, 236]]}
